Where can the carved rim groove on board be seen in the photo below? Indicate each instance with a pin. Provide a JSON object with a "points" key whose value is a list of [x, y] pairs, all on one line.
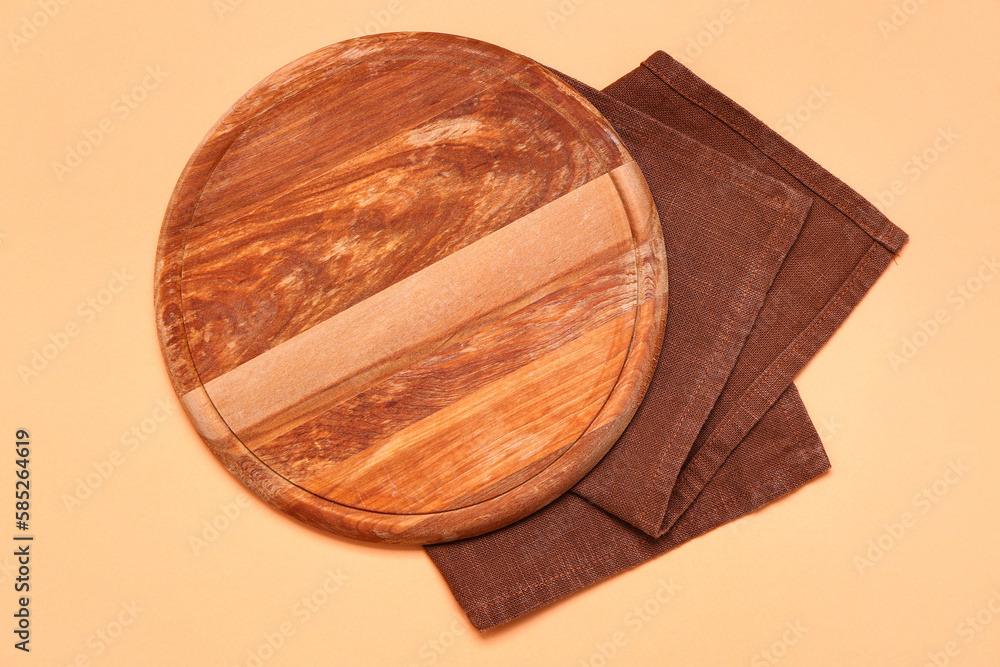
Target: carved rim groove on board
{"points": [[572, 462]]}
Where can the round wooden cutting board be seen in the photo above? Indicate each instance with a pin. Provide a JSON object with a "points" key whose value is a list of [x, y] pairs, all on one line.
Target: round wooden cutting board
{"points": [[410, 288]]}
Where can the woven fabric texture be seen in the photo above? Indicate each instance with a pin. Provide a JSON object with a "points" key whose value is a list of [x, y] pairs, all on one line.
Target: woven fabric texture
{"points": [[767, 254]]}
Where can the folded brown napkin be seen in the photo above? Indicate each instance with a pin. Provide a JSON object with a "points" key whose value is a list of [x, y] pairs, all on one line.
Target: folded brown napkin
{"points": [[767, 254]]}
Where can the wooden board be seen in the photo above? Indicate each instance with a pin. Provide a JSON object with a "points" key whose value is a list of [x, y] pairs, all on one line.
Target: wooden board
{"points": [[410, 288]]}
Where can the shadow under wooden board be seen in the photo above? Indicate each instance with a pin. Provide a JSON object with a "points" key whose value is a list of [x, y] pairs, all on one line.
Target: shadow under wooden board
{"points": [[410, 288]]}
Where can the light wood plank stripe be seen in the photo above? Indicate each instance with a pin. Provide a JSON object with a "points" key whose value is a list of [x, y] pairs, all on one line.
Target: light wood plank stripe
{"points": [[422, 308]]}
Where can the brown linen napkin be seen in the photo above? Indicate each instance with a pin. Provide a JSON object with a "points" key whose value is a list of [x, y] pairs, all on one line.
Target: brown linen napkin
{"points": [[767, 254]]}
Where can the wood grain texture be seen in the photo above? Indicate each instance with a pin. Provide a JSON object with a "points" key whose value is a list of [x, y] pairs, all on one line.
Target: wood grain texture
{"points": [[410, 288], [467, 363]]}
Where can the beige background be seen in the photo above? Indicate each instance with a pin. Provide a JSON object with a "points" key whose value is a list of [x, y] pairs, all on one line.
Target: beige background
{"points": [[855, 569]]}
